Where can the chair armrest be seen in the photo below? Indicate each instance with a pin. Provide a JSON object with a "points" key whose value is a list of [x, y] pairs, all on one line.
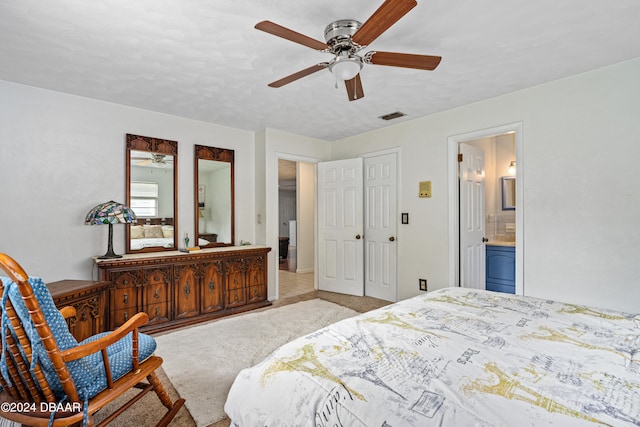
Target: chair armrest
{"points": [[68, 312], [139, 319]]}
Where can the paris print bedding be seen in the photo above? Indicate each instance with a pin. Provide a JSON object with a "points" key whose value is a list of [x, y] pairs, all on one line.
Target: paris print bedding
{"points": [[452, 357]]}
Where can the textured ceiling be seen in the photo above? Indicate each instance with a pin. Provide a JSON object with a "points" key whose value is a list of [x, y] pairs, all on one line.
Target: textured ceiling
{"points": [[204, 60]]}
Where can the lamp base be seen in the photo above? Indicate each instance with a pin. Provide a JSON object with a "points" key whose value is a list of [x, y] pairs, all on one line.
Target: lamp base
{"points": [[110, 253], [107, 256]]}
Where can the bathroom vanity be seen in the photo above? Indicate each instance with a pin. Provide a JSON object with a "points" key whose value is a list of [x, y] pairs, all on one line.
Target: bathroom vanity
{"points": [[501, 267]]}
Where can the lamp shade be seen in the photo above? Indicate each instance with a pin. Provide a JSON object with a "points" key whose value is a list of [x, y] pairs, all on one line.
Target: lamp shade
{"points": [[110, 213]]}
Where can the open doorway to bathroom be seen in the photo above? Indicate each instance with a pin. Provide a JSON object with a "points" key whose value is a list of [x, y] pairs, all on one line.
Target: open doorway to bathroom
{"points": [[486, 209], [487, 213], [296, 207]]}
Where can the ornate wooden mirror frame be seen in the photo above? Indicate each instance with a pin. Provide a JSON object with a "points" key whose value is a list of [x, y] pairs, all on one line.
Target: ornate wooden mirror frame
{"points": [[214, 196], [157, 232]]}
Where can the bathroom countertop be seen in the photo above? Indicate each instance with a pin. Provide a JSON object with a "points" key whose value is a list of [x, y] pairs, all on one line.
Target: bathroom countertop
{"points": [[500, 243]]}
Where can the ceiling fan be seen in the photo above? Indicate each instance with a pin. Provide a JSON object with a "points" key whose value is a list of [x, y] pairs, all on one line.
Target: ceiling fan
{"points": [[345, 38], [156, 160]]}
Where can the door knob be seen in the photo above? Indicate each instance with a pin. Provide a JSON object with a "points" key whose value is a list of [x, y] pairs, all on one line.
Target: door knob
{"points": [[358, 237], [485, 240], [392, 239]]}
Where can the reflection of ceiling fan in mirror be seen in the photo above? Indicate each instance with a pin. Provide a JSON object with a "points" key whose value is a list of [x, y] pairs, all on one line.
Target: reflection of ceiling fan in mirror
{"points": [[153, 160], [345, 38]]}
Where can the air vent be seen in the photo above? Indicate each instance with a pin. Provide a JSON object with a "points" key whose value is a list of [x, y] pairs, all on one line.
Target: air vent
{"points": [[392, 116]]}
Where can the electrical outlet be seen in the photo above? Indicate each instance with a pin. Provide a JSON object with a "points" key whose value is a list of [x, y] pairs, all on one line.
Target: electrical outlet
{"points": [[423, 284]]}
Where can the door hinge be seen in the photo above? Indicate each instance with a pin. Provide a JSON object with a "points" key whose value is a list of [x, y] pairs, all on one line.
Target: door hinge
{"points": [[460, 157]]}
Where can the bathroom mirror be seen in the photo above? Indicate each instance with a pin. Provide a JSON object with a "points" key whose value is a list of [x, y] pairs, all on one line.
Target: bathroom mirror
{"points": [[214, 196], [152, 180], [508, 193]]}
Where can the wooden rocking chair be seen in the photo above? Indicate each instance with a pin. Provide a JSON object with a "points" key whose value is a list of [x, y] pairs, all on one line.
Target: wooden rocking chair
{"points": [[46, 375]]}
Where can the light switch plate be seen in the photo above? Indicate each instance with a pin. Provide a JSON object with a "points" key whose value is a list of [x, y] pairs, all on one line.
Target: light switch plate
{"points": [[425, 189]]}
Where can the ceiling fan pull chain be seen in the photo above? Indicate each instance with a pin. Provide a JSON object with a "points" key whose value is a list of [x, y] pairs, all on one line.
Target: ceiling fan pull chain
{"points": [[336, 86]]}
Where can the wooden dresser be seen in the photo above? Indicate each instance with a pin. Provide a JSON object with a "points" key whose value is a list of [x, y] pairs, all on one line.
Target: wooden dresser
{"points": [[177, 289], [89, 298]]}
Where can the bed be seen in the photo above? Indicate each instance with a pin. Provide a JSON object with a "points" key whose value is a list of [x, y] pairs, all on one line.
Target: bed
{"points": [[153, 232], [452, 357]]}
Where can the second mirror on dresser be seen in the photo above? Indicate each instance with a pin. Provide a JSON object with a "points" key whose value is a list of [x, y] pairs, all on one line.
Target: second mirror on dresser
{"points": [[214, 196]]}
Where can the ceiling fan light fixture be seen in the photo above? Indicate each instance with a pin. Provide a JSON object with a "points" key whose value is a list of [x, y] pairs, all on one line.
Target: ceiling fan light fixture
{"points": [[346, 68]]}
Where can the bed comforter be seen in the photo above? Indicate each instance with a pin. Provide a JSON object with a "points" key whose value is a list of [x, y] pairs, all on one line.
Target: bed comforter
{"points": [[453, 357]]}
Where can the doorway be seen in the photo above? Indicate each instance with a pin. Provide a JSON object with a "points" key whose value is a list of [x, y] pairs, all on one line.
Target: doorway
{"points": [[296, 249], [476, 219]]}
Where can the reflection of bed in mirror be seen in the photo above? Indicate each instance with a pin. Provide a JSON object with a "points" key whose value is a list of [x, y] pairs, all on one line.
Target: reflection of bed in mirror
{"points": [[152, 232]]}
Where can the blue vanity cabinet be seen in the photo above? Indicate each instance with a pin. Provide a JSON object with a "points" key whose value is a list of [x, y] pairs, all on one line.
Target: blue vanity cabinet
{"points": [[501, 269]]}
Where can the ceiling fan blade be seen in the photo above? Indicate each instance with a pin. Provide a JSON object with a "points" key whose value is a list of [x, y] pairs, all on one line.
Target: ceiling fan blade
{"points": [[354, 88], [405, 60], [300, 74], [285, 33], [387, 14]]}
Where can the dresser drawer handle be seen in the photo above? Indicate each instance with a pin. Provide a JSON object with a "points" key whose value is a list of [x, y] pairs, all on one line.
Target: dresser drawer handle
{"points": [[157, 293], [212, 285], [157, 311], [125, 282], [126, 298], [126, 316]]}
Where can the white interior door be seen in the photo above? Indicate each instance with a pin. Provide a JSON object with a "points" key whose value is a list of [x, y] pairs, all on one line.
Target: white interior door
{"points": [[340, 230], [380, 226], [472, 233]]}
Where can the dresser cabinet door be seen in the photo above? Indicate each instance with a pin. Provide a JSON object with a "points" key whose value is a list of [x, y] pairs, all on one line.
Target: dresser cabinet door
{"points": [[88, 319], [186, 290], [212, 286], [256, 287], [155, 294], [123, 297], [235, 290]]}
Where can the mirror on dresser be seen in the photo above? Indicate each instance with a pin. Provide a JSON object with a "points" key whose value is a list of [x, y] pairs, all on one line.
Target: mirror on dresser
{"points": [[152, 182], [214, 196]]}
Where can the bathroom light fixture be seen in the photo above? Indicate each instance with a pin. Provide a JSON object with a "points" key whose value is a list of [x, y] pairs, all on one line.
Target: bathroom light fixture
{"points": [[512, 167]]}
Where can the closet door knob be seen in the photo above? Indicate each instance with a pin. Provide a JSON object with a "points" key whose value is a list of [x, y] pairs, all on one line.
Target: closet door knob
{"points": [[485, 240], [358, 237], [392, 239]]}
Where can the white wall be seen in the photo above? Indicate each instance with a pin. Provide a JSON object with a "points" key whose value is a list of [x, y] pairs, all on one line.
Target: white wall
{"points": [[60, 155], [581, 206], [306, 208]]}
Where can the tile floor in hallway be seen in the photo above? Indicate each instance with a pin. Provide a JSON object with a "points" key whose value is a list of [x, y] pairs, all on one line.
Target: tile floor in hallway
{"points": [[292, 284]]}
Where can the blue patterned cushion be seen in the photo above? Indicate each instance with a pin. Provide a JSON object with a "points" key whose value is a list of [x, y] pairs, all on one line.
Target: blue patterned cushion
{"points": [[119, 355], [87, 373]]}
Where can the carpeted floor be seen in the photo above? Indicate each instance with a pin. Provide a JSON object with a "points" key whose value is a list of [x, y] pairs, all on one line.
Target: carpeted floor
{"points": [[148, 410]]}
